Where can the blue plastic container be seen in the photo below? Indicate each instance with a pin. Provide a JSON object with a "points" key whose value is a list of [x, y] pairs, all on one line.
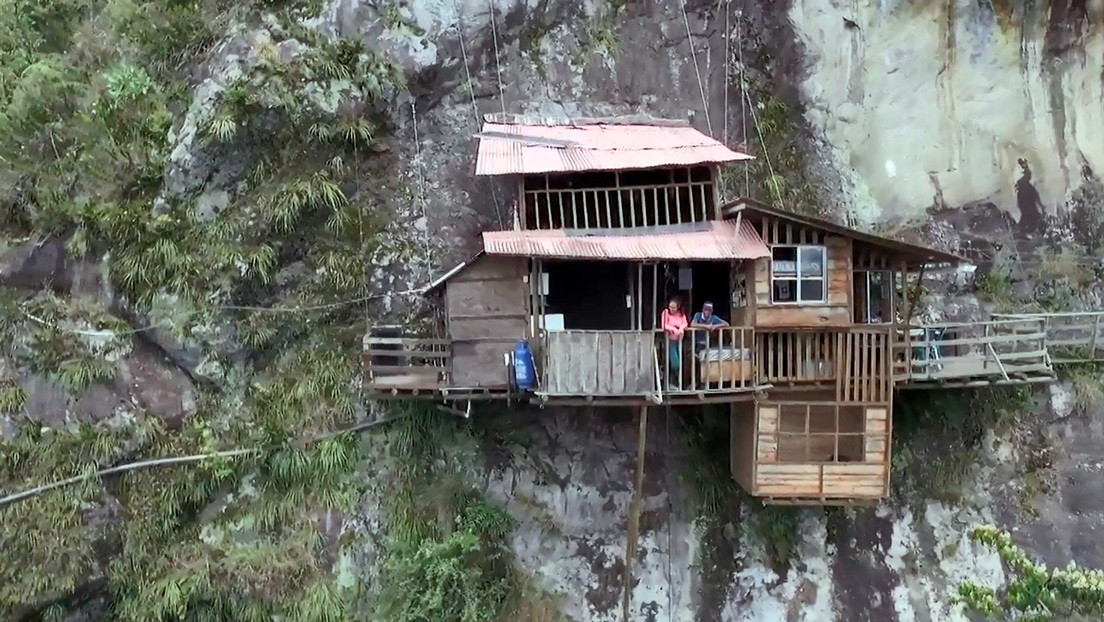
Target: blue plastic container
{"points": [[525, 370]]}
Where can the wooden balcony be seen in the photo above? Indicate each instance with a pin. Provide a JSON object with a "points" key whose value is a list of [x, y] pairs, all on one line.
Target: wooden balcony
{"points": [[620, 206], [596, 365], [852, 359], [1005, 351], [1070, 337], [406, 365]]}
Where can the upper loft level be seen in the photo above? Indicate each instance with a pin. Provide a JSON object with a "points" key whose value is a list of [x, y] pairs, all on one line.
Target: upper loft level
{"points": [[620, 173]]}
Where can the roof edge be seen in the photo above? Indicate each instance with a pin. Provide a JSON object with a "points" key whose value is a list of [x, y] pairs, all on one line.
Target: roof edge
{"points": [[931, 255], [517, 119]]}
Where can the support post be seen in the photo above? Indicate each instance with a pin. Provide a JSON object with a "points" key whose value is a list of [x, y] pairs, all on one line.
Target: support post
{"points": [[634, 513]]}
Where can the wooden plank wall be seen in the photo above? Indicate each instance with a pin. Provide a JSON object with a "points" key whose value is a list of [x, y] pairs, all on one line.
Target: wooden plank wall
{"points": [[782, 466], [599, 363], [836, 311], [487, 309]]}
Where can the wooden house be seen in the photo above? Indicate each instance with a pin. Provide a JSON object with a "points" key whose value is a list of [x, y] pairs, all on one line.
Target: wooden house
{"points": [[615, 217]]}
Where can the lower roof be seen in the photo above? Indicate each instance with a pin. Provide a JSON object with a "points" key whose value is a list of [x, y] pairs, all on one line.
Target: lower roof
{"points": [[713, 240]]}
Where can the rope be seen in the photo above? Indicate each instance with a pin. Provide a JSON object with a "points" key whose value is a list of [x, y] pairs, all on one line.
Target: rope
{"points": [[694, 55], [766, 152], [475, 108], [133, 466], [743, 95], [332, 305], [728, 38], [498, 67]]}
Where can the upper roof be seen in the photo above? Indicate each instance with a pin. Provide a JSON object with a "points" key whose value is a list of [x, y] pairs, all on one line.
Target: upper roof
{"points": [[510, 145], [712, 240], [911, 252]]}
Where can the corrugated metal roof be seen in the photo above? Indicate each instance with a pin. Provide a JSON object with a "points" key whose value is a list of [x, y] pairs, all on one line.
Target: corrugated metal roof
{"points": [[716, 240], [556, 146]]}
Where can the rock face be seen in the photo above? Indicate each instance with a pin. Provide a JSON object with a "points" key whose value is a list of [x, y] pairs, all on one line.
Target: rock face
{"points": [[957, 103], [990, 117], [989, 113]]}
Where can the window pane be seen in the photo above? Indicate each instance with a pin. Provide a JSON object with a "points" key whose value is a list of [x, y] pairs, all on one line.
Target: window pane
{"points": [[812, 261], [785, 291], [784, 261], [812, 290], [784, 253]]}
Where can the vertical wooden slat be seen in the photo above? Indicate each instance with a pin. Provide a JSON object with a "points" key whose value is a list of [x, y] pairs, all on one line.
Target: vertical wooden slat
{"points": [[704, 204], [620, 202], [632, 207]]}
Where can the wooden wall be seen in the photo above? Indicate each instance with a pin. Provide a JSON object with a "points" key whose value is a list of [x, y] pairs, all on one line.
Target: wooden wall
{"points": [[487, 311], [835, 312], [741, 448], [773, 465]]}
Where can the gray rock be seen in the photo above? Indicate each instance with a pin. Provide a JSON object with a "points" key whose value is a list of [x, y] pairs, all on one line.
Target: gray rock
{"points": [[154, 383], [32, 265]]}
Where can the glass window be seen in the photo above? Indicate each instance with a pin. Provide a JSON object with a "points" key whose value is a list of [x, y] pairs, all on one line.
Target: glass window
{"points": [[798, 274]]}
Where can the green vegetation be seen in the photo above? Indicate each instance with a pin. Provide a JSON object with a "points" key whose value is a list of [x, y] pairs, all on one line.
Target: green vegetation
{"points": [[998, 288], [1034, 592], [95, 99], [779, 175], [448, 557], [938, 437], [717, 500]]}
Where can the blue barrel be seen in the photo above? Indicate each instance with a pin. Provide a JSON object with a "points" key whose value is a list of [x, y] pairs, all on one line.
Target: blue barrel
{"points": [[525, 371]]}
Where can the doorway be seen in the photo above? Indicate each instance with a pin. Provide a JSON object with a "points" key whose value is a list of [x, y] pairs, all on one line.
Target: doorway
{"points": [[589, 295]]}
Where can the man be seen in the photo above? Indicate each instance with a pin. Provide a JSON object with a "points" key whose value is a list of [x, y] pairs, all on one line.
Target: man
{"points": [[705, 319]]}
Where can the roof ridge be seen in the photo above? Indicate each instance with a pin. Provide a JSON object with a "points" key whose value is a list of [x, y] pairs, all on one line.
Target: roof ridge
{"points": [[517, 119]]}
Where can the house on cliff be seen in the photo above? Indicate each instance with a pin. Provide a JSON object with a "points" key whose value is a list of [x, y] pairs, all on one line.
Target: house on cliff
{"points": [[617, 217]]}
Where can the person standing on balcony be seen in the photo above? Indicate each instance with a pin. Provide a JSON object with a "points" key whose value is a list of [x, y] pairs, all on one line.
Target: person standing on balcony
{"points": [[673, 320], [706, 320]]}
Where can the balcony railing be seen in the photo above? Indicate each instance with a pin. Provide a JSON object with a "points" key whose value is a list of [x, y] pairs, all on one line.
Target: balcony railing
{"points": [[1070, 337], [620, 207], [710, 360], [1006, 350], [598, 363], [397, 364]]}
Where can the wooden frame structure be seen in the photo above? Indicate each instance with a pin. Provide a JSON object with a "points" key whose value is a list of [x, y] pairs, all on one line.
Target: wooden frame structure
{"points": [[688, 195], [837, 360]]}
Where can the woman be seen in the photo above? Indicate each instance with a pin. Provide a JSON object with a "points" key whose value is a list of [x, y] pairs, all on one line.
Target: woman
{"points": [[674, 323]]}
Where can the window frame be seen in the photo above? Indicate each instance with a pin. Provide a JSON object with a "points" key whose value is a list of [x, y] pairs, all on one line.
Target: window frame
{"points": [[797, 278]]}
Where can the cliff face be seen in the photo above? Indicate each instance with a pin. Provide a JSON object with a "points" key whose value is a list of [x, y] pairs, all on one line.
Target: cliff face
{"points": [[988, 117]]}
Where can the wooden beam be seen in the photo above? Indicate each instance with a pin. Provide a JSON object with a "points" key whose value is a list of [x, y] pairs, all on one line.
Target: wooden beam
{"points": [[634, 512]]}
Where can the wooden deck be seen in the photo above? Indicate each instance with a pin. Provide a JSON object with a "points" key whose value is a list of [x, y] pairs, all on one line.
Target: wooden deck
{"points": [[404, 365], [731, 363], [1004, 351]]}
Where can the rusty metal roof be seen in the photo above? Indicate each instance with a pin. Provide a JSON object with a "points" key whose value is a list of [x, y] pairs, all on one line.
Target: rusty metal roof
{"points": [[715, 240], [512, 145]]}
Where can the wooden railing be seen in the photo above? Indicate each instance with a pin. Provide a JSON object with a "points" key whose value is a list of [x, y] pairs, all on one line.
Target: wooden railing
{"points": [[406, 364], [1006, 350], [790, 357], [598, 363], [1070, 337], [868, 378], [620, 207], [716, 360]]}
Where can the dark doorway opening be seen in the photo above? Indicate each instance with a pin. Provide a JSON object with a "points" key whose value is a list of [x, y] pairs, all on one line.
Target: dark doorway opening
{"points": [[591, 295]]}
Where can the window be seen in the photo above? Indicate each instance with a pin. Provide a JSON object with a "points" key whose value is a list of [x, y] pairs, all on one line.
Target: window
{"points": [[797, 274]]}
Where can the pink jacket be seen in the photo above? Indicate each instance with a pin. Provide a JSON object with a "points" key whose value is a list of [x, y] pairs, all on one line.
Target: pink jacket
{"points": [[674, 323]]}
